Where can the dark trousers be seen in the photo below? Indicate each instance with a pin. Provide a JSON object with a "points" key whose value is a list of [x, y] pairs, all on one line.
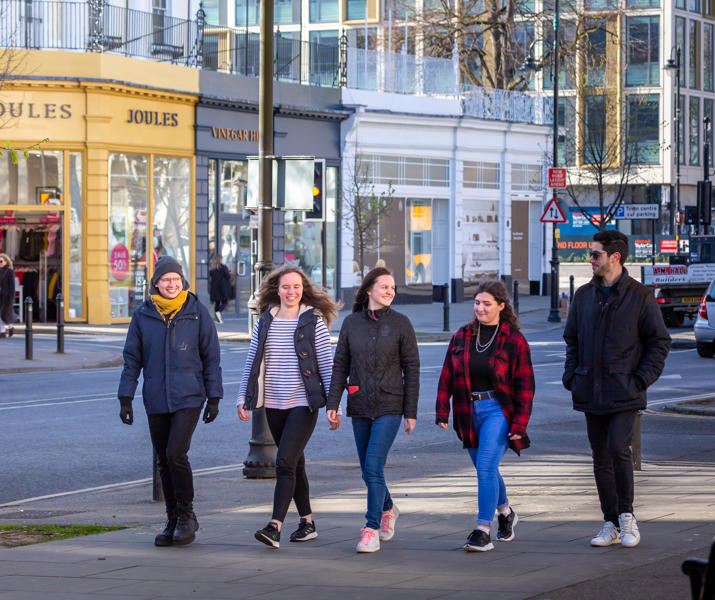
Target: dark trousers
{"points": [[219, 305], [610, 438], [291, 430], [171, 437]]}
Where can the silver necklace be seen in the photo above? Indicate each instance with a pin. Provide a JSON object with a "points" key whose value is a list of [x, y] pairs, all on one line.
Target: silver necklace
{"points": [[483, 347]]}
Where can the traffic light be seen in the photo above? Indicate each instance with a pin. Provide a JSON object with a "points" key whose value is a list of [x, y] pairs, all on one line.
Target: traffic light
{"points": [[705, 202], [318, 192]]}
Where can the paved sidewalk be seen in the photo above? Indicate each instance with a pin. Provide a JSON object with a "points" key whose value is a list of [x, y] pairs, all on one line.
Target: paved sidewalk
{"points": [[553, 494]]}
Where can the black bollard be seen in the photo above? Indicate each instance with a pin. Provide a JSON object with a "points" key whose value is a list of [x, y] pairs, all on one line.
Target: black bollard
{"points": [[516, 297], [445, 307], [571, 287], [636, 443], [157, 493], [28, 328], [60, 324]]}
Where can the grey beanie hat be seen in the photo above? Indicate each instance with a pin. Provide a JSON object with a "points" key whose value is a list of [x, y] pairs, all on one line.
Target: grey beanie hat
{"points": [[164, 265]]}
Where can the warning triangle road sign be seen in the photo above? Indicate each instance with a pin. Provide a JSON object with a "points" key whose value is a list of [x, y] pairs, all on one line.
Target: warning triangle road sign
{"points": [[553, 213]]}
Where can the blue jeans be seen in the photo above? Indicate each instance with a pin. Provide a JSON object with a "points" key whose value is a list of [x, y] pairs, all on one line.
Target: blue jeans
{"points": [[373, 439], [493, 432]]}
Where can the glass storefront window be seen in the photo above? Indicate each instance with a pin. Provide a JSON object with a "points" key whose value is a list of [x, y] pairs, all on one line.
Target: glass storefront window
{"points": [[172, 198], [331, 227], [234, 178], [128, 205], [418, 251], [303, 246], [75, 304], [33, 181], [212, 207]]}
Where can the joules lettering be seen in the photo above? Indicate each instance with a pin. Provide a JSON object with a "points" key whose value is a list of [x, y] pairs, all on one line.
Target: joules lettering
{"points": [[153, 117], [31, 110], [240, 135]]}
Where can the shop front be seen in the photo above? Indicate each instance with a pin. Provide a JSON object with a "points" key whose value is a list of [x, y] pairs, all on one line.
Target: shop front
{"points": [[107, 181], [226, 135]]}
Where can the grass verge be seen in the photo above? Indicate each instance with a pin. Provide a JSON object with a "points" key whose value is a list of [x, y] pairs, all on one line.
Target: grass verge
{"points": [[12, 536]]}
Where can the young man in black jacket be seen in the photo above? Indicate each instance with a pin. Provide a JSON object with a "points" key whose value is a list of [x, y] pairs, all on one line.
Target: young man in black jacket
{"points": [[616, 345]]}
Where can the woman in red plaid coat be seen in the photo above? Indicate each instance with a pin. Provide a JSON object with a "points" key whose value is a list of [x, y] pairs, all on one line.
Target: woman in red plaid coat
{"points": [[488, 374]]}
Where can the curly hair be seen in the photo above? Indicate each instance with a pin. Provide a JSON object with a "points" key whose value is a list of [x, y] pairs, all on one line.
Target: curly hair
{"points": [[313, 295], [498, 290], [361, 297]]}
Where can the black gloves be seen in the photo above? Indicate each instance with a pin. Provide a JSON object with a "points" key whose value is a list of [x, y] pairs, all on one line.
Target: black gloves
{"points": [[126, 414], [211, 410]]}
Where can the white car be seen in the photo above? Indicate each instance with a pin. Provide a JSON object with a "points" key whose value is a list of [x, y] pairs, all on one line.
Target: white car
{"points": [[705, 324]]}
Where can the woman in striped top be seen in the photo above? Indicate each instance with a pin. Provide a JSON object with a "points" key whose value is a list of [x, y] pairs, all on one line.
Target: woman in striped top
{"points": [[287, 372]]}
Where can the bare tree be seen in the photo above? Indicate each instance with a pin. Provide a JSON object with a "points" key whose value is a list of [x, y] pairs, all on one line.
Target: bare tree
{"points": [[364, 210]]}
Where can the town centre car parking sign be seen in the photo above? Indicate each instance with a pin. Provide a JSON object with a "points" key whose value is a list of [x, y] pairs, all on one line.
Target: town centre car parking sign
{"points": [[637, 211]]}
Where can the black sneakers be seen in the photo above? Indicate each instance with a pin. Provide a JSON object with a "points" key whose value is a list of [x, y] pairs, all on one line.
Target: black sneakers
{"points": [[478, 541], [269, 535], [306, 531], [506, 526]]}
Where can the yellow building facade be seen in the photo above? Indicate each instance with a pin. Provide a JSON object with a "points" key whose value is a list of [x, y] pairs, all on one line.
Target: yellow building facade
{"points": [[106, 184]]}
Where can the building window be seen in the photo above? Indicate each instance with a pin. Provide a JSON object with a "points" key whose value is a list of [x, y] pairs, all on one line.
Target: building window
{"points": [[172, 197], [286, 12], [402, 170], [708, 57], [482, 175], [212, 205], [526, 178], [232, 186], [22, 182], [418, 250], [211, 9], [128, 206], [159, 14], [595, 59], [355, 10], [708, 113], [643, 67], [595, 136], [694, 6], [680, 43], [247, 12], [645, 3], [600, 4], [694, 130], [643, 131], [324, 57], [76, 297], [693, 75], [680, 4], [567, 120], [324, 11], [681, 140]]}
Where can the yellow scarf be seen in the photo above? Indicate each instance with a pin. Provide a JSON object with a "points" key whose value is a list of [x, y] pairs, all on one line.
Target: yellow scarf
{"points": [[169, 307]]}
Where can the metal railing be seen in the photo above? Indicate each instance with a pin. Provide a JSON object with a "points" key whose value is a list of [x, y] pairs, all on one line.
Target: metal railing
{"points": [[505, 105]]}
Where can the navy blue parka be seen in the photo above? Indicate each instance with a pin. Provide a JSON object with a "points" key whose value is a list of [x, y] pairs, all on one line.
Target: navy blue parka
{"points": [[180, 359]]}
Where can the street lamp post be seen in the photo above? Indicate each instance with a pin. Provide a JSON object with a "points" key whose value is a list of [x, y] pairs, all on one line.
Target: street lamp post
{"points": [[530, 65], [673, 64], [260, 462]]}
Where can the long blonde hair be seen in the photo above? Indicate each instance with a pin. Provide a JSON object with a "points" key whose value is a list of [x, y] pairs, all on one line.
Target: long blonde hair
{"points": [[313, 295], [8, 261]]}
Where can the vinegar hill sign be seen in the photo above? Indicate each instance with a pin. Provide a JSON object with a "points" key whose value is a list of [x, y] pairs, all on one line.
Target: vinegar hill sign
{"points": [[239, 135]]}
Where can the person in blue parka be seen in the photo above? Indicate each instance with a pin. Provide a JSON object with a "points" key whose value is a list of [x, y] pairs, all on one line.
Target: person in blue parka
{"points": [[173, 340]]}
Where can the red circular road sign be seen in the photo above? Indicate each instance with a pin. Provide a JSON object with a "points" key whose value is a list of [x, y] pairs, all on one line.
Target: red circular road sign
{"points": [[119, 262]]}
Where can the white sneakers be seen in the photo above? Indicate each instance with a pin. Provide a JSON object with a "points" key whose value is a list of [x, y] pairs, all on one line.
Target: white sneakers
{"points": [[369, 542], [628, 536], [607, 536], [387, 524]]}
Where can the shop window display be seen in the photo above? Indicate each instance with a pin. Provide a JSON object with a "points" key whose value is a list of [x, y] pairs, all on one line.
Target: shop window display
{"points": [[418, 251], [480, 254], [128, 206], [172, 198], [34, 180], [75, 300]]}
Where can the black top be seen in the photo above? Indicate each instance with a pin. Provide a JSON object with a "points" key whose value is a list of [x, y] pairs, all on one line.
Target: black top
{"points": [[479, 373]]}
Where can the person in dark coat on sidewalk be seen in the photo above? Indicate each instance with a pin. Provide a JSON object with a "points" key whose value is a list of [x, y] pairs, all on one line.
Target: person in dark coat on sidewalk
{"points": [[173, 340], [378, 360], [487, 373], [7, 297], [220, 288], [616, 346]]}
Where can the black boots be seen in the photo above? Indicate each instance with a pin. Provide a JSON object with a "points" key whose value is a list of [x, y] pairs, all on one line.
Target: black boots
{"points": [[186, 526], [166, 537]]}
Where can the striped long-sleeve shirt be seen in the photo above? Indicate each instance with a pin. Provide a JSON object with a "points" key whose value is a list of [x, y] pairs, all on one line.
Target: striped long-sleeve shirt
{"points": [[283, 382]]}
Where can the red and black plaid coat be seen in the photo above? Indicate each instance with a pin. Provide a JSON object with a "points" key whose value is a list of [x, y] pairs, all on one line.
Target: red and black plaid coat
{"points": [[512, 376]]}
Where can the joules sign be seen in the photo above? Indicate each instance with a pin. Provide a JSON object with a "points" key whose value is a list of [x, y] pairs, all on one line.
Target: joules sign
{"points": [[153, 117], [32, 110]]}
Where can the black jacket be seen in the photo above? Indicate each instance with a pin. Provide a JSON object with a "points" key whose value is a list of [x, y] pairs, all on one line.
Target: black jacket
{"points": [[379, 362], [220, 284], [180, 360], [7, 290], [615, 346], [304, 341]]}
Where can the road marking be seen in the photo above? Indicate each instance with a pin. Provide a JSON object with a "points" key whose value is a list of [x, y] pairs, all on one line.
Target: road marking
{"points": [[110, 486], [682, 399], [671, 376]]}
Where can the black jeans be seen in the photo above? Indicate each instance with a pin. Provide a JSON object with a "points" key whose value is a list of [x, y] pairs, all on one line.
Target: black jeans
{"points": [[219, 305], [291, 431], [171, 437], [610, 438]]}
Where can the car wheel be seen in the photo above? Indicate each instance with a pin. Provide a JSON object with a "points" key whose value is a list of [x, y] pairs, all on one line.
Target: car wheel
{"points": [[705, 349]]}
